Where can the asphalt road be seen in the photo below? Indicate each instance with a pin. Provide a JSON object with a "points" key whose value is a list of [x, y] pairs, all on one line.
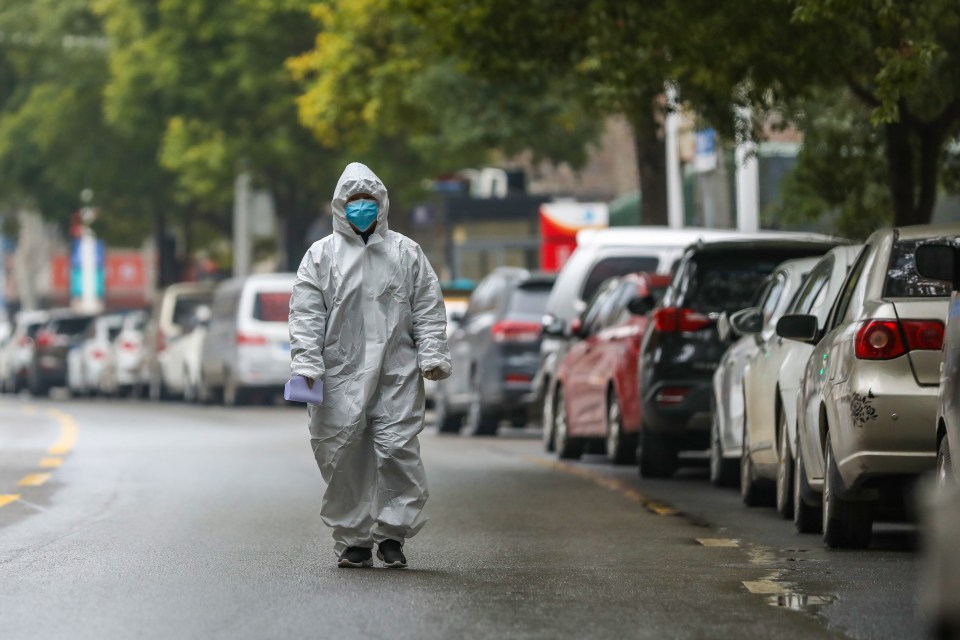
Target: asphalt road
{"points": [[168, 521]]}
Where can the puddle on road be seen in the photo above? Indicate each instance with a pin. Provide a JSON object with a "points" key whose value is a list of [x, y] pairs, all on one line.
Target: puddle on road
{"points": [[798, 602]]}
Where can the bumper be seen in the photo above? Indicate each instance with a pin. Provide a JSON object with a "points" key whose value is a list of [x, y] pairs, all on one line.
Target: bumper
{"points": [[681, 408], [886, 428]]}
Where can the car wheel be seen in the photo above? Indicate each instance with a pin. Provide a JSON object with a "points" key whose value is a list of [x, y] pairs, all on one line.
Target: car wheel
{"points": [[657, 455], [481, 421], [446, 420], [233, 394], [807, 518], [846, 524], [753, 492], [724, 472], [784, 472], [944, 465], [621, 448], [549, 422], [567, 448]]}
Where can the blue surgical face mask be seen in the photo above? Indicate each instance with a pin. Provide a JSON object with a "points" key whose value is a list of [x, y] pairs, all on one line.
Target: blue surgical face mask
{"points": [[362, 213]]}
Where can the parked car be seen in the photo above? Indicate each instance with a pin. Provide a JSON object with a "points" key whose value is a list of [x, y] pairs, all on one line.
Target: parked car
{"points": [[456, 308], [247, 345], [597, 395], [174, 307], [184, 354], [868, 402], [122, 367], [48, 367], [771, 381], [600, 254], [682, 350], [18, 350], [755, 325], [87, 356], [495, 351]]}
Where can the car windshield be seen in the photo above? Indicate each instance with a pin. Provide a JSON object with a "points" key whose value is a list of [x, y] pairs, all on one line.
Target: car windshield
{"points": [[729, 282], [618, 266], [72, 326], [903, 281], [530, 300], [272, 306]]}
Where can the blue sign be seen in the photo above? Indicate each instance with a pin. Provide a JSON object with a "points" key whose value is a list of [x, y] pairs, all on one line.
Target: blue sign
{"points": [[76, 270]]}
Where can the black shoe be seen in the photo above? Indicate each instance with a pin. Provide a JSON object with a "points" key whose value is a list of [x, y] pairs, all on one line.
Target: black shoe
{"points": [[391, 553], [355, 557]]}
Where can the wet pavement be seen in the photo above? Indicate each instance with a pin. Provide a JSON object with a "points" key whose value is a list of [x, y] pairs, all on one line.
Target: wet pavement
{"points": [[168, 521]]}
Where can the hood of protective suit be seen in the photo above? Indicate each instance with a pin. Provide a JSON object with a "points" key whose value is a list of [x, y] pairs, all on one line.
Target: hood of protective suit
{"points": [[358, 178]]}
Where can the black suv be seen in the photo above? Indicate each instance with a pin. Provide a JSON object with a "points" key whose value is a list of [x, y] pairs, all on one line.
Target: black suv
{"points": [[680, 354]]}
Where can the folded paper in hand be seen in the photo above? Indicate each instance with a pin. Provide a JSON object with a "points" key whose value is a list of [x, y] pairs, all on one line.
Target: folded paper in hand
{"points": [[296, 390]]}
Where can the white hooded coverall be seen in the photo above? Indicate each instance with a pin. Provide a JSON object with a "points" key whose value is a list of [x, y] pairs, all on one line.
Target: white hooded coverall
{"points": [[368, 320]]}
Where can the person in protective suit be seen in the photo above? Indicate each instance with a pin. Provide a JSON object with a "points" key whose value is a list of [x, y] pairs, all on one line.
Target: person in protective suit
{"points": [[367, 318]]}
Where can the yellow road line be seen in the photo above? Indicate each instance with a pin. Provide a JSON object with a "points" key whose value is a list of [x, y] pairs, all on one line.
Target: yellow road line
{"points": [[765, 587], [6, 499], [68, 434], [606, 482], [718, 542], [33, 480], [50, 463]]}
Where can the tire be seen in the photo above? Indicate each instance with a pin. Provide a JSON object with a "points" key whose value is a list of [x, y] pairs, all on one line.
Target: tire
{"points": [[753, 492], [621, 448], [724, 472], [945, 477], [447, 421], [549, 423], [846, 524], [567, 448], [807, 518], [784, 471], [481, 421], [233, 394], [657, 455]]}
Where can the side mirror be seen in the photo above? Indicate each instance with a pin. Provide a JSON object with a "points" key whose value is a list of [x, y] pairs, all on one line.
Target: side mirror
{"points": [[202, 315], [552, 326], [577, 330], [800, 328], [724, 328], [579, 306], [457, 317], [938, 261], [641, 305], [747, 321]]}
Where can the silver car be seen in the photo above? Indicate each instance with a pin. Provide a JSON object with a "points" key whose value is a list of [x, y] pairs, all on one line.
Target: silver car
{"points": [[756, 326], [771, 381], [868, 399]]}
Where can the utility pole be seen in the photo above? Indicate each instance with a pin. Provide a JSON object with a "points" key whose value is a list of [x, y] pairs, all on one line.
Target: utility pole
{"points": [[748, 173], [675, 217]]}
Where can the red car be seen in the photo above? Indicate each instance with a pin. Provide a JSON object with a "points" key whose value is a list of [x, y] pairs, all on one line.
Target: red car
{"points": [[598, 392]]}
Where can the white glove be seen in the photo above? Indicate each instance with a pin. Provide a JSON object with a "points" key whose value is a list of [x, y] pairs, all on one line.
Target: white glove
{"points": [[433, 374]]}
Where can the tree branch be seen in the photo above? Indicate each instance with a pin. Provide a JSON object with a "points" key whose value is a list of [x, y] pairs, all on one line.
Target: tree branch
{"points": [[861, 92]]}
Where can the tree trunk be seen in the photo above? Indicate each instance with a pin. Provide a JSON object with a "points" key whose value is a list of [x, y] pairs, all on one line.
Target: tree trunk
{"points": [[900, 161], [931, 142], [652, 163]]}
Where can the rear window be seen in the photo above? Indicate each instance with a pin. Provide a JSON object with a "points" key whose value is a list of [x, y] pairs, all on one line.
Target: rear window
{"points": [[729, 282], [612, 267], [186, 307], [72, 326], [272, 306], [529, 301], [34, 329], [903, 281]]}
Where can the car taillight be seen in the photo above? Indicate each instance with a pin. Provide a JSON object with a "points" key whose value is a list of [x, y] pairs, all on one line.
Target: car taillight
{"points": [[248, 339], [44, 339], [670, 396], [161, 341], [126, 345], [515, 331], [98, 354], [517, 377], [888, 339], [677, 320]]}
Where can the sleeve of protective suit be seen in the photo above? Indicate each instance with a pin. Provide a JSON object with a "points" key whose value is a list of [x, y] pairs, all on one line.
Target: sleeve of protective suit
{"points": [[429, 320], [308, 319]]}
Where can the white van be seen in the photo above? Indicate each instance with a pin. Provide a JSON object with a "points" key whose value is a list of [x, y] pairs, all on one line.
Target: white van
{"points": [[247, 346]]}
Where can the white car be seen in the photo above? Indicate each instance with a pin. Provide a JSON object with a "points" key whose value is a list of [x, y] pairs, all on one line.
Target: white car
{"points": [[86, 359], [773, 299], [771, 381], [455, 309], [247, 346], [183, 357], [18, 350], [124, 361]]}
